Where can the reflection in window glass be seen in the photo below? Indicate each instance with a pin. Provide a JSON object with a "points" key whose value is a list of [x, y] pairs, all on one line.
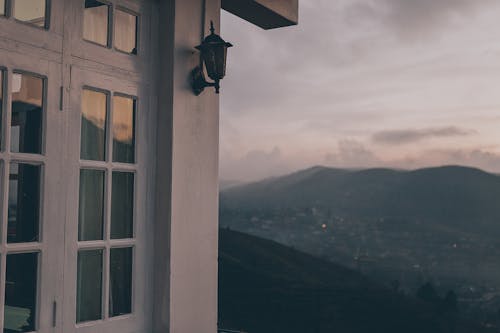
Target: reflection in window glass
{"points": [[1, 97], [123, 129], [27, 108], [120, 292], [30, 11], [20, 292], [93, 129], [122, 205], [89, 286], [95, 22], [2, 7], [91, 206], [125, 32], [24, 203]]}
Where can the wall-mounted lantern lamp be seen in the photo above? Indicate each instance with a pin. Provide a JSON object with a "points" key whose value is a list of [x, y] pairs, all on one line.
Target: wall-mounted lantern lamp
{"points": [[213, 52]]}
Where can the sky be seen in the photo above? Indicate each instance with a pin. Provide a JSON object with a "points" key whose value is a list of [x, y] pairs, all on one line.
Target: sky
{"points": [[363, 83]]}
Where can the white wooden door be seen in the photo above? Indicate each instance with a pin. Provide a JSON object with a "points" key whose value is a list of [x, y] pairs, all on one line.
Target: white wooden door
{"points": [[107, 285], [31, 192]]}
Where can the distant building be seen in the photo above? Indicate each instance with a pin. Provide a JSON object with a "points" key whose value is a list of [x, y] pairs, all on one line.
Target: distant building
{"points": [[109, 164]]}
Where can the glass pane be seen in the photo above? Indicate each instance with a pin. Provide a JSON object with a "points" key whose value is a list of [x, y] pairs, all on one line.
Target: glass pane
{"points": [[95, 22], [120, 292], [24, 203], [122, 205], [20, 292], [125, 32], [30, 11], [91, 208], [89, 286], [1, 85], [27, 106], [2, 7], [123, 129], [93, 144]]}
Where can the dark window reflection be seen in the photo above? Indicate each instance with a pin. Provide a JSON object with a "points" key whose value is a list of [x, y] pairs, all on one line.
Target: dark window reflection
{"points": [[123, 129], [120, 293], [95, 22], [91, 208], [89, 286], [93, 136], [125, 32], [1, 88], [20, 292], [27, 106], [30, 11], [122, 205], [24, 203]]}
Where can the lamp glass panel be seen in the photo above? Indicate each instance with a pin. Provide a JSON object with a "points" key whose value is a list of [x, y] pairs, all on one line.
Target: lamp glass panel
{"points": [[30, 11], [96, 22]]}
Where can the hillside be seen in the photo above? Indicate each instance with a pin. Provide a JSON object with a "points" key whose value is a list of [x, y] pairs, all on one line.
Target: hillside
{"points": [[265, 287], [440, 224]]}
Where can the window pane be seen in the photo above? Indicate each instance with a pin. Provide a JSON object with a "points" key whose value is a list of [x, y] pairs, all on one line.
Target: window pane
{"points": [[93, 144], [95, 22], [30, 11], [125, 32], [89, 286], [27, 106], [122, 205], [91, 208], [24, 203], [120, 293], [123, 129], [2, 7], [1, 86], [20, 292]]}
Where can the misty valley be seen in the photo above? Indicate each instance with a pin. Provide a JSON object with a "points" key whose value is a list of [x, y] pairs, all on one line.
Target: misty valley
{"points": [[424, 239]]}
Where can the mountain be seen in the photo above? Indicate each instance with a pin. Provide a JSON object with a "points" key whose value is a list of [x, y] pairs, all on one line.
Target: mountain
{"points": [[440, 224], [267, 288]]}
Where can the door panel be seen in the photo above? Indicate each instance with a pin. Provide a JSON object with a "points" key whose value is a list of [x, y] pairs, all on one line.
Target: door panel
{"points": [[31, 267]]}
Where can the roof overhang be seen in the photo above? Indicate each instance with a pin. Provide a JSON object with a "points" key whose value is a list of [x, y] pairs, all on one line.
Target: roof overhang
{"points": [[267, 14]]}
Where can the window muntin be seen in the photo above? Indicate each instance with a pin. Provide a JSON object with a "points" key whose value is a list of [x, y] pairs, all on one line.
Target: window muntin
{"points": [[124, 113], [96, 22], [30, 11], [125, 31], [93, 127], [27, 113], [21, 292]]}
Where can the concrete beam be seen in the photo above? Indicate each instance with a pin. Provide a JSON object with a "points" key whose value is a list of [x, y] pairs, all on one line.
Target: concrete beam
{"points": [[267, 14]]}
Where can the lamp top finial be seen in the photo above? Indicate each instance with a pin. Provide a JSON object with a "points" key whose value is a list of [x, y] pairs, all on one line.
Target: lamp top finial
{"points": [[212, 29]]}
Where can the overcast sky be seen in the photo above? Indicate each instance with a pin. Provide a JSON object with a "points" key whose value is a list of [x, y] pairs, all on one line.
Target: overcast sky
{"points": [[363, 83]]}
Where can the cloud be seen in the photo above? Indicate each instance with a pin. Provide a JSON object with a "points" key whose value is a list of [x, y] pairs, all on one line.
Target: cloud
{"points": [[399, 137], [352, 154]]}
